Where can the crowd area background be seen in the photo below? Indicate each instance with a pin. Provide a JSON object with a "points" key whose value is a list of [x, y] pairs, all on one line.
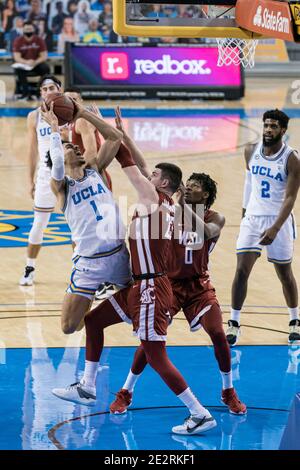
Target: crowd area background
{"points": [[58, 22]]}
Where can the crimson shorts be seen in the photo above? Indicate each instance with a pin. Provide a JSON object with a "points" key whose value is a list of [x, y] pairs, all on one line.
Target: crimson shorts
{"points": [[195, 301], [147, 305]]}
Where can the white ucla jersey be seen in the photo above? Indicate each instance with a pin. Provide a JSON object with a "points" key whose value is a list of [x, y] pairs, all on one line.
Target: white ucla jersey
{"points": [[268, 181], [43, 132], [93, 215]]}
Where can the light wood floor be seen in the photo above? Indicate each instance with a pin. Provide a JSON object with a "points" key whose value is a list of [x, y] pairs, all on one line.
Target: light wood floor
{"points": [[30, 317]]}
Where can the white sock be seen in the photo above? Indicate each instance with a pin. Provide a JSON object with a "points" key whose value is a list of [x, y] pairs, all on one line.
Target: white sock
{"points": [[191, 402], [226, 379], [131, 381], [90, 374], [30, 262], [235, 315], [294, 313]]}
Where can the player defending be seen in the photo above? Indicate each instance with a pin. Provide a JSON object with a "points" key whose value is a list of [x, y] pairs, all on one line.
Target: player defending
{"points": [[147, 303], [271, 187], [196, 235], [92, 215], [44, 199]]}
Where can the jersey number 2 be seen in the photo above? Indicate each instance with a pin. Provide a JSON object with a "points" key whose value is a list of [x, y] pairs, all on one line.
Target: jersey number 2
{"points": [[95, 208], [265, 189]]}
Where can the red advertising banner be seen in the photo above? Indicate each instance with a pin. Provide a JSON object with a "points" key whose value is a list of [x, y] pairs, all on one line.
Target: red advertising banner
{"points": [[266, 17]]}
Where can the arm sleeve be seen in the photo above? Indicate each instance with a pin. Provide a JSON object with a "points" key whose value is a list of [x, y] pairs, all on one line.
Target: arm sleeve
{"points": [[57, 157], [247, 189]]}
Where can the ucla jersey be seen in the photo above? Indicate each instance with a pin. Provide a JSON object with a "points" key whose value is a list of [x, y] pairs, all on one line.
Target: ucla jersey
{"points": [[43, 132], [93, 215], [268, 181]]}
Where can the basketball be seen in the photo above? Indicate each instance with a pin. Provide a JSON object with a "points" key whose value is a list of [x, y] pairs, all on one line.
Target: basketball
{"points": [[63, 108]]}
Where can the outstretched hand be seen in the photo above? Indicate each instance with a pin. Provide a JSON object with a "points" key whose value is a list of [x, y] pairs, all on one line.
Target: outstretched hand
{"points": [[119, 120], [48, 115]]}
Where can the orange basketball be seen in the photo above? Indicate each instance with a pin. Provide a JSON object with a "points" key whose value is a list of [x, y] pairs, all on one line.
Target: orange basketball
{"points": [[63, 108]]}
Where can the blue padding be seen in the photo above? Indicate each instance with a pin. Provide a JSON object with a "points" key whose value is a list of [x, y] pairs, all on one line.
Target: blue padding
{"points": [[291, 436]]}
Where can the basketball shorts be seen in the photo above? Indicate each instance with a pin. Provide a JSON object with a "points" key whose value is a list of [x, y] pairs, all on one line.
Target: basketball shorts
{"points": [[195, 302], [251, 230], [146, 304], [88, 273], [44, 198]]}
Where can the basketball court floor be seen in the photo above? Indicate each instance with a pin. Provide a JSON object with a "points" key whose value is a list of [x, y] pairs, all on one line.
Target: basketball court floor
{"points": [[35, 356]]}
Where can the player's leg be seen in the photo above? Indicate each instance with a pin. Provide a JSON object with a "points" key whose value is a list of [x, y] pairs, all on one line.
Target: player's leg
{"points": [[280, 253], [290, 292], [248, 250], [35, 240], [124, 396], [212, 324], [74, 309], [245, 263], [84, 392], [200, 419]]}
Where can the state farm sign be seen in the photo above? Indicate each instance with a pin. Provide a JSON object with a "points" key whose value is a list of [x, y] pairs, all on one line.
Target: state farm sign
{"points": [[269, 18]]}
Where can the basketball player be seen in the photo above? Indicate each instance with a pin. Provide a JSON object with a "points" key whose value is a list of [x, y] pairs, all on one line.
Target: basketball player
{"points": [[92, 214], [44, 199], [147, 302], [193, 291], [271, 188], [189, 275], [88, 139]]}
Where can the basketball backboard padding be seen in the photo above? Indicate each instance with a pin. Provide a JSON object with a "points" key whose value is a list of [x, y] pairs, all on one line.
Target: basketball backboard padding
{"points": [[175, 27]]}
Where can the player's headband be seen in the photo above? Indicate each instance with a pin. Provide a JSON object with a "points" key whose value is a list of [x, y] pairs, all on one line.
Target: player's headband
{"points": [[48, 81]]}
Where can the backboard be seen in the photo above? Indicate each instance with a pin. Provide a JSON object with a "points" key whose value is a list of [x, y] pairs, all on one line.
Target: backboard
{"points": [[245, 19], [206, 19]]}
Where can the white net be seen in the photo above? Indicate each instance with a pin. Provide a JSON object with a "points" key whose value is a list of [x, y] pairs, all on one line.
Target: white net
{"points": [[236, 51]]}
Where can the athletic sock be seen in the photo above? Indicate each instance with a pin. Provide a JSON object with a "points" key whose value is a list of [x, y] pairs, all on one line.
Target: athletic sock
{"points": [[90, 374], [131, 381], [196, 409], [30, 262], [226, 379], [294, 313], [235, 315]]}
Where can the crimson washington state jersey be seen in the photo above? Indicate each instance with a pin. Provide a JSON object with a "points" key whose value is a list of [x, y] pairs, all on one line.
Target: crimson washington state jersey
{"points": [[150, 238], [188, 263]]}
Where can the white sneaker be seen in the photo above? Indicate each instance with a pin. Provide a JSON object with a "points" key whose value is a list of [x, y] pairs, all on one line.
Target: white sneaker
{"points": [[28, 276], [77, 393], [233, 332], [195, 425]]}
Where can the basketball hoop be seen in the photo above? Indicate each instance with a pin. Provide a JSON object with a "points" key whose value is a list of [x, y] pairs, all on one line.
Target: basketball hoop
{"points": [[236, 51]]}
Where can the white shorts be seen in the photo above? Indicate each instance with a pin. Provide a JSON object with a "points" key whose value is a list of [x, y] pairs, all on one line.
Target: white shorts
{"points": [[252, 227], [88, 273], [44, 198]]}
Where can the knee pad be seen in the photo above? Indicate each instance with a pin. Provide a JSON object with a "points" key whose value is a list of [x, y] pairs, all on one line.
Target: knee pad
{"points": [[40, 222]]}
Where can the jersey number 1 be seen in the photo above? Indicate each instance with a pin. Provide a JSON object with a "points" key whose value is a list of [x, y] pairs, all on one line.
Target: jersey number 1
{"points": [[95, 208], [265, 189]]}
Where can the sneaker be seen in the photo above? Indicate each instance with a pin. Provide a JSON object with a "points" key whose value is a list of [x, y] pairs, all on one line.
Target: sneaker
{"points": [[109, 289], [233, 332], [77, 393], [294, 336], [28, 277], [195, 425], [122, 402], [100, 293], [230, 398]]}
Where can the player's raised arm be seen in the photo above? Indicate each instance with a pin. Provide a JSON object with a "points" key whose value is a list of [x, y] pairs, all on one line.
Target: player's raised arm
{"points": [[131, 145], [146, 191], [56, 152], [112, 136]]}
